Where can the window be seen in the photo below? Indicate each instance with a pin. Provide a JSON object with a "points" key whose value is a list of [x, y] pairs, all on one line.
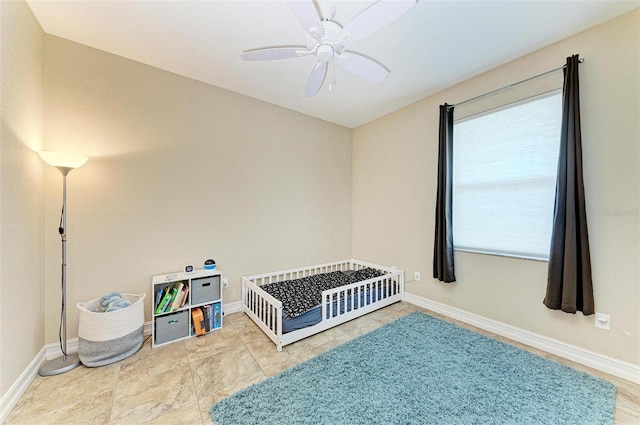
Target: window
{"points": [[504, 175]]}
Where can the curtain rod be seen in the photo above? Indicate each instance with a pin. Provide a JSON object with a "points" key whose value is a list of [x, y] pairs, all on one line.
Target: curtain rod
{"points": [[511, 85]]}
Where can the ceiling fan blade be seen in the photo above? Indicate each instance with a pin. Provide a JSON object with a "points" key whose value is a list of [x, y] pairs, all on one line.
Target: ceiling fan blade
{"points": [[363, 66], [374, 18], [273, 53], [315, 79], [307, 15]]}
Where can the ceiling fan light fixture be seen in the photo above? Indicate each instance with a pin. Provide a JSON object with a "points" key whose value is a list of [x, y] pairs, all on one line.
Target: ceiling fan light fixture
{"points": [[325, 52]]}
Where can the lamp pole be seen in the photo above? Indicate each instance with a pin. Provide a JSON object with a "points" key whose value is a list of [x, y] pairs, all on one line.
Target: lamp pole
{"points": [[66, 362]]}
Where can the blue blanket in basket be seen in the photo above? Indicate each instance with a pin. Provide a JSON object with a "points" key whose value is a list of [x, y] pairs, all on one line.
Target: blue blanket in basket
{"points": [[112, 302]]}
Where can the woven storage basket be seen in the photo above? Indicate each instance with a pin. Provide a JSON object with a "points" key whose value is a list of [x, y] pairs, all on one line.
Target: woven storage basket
{"points": [[105, 338]]}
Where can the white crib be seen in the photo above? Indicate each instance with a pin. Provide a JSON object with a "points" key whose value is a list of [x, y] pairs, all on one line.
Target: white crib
{"points": [[337, 307]]}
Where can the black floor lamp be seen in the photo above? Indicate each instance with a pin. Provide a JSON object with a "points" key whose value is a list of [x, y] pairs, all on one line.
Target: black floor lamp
{"points": [[64, 163]]}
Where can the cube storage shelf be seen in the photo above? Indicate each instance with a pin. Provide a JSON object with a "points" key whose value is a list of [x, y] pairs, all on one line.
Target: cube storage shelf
{"points": [[185, 305]]}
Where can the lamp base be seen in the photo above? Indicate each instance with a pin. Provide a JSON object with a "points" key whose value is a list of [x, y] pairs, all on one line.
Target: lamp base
{"points": [[60, 365]]}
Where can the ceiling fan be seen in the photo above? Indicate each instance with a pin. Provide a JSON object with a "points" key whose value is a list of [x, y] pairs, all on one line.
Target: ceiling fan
{"points": [[327, 40]]}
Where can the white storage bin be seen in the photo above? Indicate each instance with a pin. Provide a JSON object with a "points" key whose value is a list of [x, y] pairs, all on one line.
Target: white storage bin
{"points": [[105, 338]]}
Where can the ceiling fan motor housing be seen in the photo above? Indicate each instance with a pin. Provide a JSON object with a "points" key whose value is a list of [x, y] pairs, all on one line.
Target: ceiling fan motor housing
{"points": [[330, 44]]}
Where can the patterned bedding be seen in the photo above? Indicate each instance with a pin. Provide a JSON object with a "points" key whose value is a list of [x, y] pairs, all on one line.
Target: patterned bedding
{"points": [[301, 295]]}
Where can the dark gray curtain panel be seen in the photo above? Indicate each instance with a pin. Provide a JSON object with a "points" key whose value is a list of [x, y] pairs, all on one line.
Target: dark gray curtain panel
{"points": [[569, 284], [443, 244]]}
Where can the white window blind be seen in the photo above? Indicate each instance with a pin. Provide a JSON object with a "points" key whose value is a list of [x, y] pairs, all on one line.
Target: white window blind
{"points": [[504, 175]]}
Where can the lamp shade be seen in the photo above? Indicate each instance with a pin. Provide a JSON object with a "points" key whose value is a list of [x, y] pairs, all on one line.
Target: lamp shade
{"points": [[63, 160]]}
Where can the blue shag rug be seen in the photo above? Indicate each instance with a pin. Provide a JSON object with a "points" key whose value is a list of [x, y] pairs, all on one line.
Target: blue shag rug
{"points": [[422, 370]]}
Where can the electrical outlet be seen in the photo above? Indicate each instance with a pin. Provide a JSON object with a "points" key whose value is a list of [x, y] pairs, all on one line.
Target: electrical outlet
{"points": [[225, 282], [603, 321], [416, 276]]}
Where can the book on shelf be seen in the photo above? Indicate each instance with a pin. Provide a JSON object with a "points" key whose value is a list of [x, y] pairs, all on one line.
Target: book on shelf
{"points": [[217, 316], [211, 318], [185, 298], [159, 295], [166, 306], [207, 314], [175, 305], [175, 301], [163, 302]]}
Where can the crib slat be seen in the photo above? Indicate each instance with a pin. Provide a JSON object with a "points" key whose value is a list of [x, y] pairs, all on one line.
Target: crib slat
{"points": [[261, 302], [270, 313], [353, 296]]}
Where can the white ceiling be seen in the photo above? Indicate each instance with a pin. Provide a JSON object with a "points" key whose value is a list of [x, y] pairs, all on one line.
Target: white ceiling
{"points": [[433, 46]]}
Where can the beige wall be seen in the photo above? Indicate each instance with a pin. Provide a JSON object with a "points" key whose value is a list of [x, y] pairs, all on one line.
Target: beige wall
{"points": [[505, 289], [181, 171], [21, 207], [178, 172]]}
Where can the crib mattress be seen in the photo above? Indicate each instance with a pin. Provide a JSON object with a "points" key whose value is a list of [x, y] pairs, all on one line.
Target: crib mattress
{"points": [[299, 296], [314, 316]]}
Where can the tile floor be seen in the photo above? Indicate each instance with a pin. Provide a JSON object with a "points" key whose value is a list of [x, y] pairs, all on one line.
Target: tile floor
{"points": [[178, 383]]}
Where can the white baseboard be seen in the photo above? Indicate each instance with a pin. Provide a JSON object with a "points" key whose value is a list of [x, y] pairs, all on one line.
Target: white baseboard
{"points": [[610, 365], [53, 350], [12, 396], [232, 307]]}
